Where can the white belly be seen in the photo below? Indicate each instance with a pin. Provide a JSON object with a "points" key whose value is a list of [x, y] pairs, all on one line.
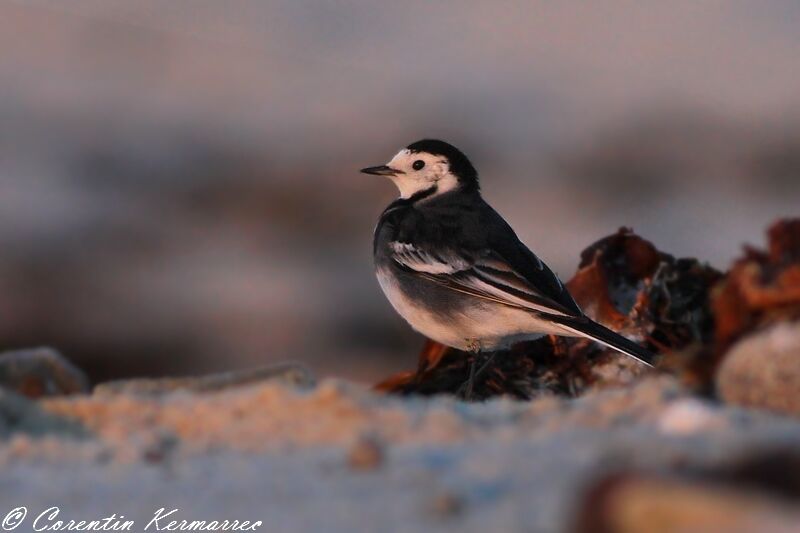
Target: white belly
{"points": [[492, 325]]}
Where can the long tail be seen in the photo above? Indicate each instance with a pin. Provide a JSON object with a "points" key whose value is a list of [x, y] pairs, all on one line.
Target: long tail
{"points": [[584, 327]]}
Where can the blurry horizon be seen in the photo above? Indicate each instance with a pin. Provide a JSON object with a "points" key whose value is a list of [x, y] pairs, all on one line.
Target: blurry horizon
{"points": [[179, 188]]}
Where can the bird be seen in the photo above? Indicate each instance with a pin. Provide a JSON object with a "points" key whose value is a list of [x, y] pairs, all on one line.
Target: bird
{"points": [[456, 271]]}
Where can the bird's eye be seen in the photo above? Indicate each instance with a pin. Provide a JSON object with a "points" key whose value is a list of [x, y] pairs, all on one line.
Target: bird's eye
{"points": [[418, 164]]}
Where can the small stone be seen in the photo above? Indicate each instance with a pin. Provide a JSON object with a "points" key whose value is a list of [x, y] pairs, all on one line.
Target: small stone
{"points": [[447, 504], [162, 448], [39, 372], [688, 416], [367, 453], [763, 370]]}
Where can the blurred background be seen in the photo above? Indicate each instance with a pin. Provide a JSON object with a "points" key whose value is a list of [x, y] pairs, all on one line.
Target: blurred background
{"points": [[178, 180]]}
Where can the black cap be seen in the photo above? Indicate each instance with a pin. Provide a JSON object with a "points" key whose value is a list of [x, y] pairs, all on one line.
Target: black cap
{"points": [[459, 164]]}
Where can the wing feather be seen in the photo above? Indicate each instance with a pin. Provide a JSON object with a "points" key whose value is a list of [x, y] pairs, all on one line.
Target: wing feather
{"points": [[484, 275]]}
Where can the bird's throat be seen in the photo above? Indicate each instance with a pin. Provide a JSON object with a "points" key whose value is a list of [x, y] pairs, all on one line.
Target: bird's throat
{"points": [[421, 195]]}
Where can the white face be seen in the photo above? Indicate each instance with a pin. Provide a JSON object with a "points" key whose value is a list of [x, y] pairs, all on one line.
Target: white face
{"points": [[420, 171]]}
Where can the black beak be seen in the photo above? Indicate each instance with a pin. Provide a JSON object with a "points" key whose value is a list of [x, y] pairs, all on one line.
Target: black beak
{"points": [[382, 170]]}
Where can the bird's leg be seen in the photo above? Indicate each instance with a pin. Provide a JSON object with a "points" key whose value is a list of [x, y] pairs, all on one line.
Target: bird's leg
{"points": [[470, 383], [474, 373], [485, 365], [466, 388]]}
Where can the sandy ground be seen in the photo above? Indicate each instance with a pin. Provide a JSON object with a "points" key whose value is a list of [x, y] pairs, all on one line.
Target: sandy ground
{"points": [[337, 457]]}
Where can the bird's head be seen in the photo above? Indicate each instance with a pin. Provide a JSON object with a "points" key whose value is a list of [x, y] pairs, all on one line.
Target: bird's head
{"points": [[428, 165]]}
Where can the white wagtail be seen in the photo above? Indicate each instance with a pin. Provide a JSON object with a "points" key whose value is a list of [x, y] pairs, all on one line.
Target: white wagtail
{"points": [[456, 271]]}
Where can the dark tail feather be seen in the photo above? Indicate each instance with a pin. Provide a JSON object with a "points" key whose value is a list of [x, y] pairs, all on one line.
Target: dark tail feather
{"points": [[592, 330]]}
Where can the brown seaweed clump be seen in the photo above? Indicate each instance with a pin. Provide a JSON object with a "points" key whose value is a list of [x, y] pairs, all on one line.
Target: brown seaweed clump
{"points": [[624, 282], [762, 288]]}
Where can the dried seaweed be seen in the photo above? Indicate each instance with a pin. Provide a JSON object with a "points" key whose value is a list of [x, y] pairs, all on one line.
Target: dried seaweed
{"points": [[762, 287]]}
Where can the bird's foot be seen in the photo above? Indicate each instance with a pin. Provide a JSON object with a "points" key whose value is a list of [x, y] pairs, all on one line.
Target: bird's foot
{"points": [[473, 346]]}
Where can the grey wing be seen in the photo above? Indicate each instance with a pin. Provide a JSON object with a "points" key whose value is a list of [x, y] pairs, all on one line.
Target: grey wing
{"points": [[480, 273]]}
